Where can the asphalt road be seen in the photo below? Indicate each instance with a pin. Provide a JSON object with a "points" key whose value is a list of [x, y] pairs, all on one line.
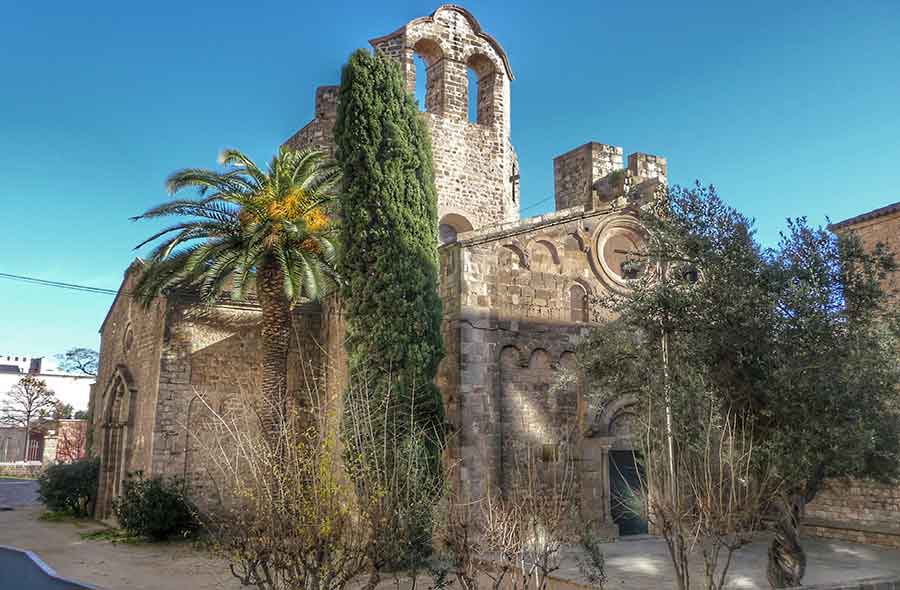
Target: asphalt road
{"points": [[17, 492]]}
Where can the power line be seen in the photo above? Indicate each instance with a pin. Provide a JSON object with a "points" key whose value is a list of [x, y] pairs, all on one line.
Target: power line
{"points": [[541, 202], [56, 284], [89, 289]]}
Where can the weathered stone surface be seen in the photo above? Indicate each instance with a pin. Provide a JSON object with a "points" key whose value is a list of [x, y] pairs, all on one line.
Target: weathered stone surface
{"points": [[516, 300]]}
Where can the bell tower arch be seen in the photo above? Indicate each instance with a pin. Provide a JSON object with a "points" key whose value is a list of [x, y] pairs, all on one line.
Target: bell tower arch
{"points": [[475, 165]]}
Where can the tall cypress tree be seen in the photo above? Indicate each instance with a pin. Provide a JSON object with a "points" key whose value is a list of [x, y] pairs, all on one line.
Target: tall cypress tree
{"points": [[389, 232]]}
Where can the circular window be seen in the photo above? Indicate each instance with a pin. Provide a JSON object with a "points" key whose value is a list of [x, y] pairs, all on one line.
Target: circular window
{"points": [[618, 251]]}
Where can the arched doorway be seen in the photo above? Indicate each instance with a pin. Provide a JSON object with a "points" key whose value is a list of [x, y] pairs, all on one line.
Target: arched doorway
{"points": [[626, 478], [612, 489], [116, 447]]}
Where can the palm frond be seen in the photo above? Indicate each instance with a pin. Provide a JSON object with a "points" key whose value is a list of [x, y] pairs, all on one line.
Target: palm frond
{"points": [[243, 216]]}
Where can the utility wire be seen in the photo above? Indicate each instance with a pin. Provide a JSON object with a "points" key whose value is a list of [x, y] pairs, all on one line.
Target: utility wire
{"points": [[541, 202], [56, 284], [89, 289]]}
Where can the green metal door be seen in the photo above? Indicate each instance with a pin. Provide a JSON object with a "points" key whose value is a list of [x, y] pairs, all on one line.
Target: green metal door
{"points": [[625, 486]]}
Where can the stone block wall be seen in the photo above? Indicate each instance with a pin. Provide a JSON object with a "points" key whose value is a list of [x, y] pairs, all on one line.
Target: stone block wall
{"points": [[584, 176], [517, 301], [576, 171], [212, 365], [123, 414], [320, 131], [861, 511], [879, 226]]}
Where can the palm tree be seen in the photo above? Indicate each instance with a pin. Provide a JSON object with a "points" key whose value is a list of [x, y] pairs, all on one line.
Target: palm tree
{"points": [[266, 234]]}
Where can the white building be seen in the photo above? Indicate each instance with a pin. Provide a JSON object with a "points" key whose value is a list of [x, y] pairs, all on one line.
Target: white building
{"points": [[70, 388]]}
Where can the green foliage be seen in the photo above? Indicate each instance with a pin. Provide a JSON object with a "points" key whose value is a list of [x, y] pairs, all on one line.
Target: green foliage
{"points": [[243, 220], [389, 269], [113, 536], [800, 339], [389, 233], [155, 508], [70, 488]]}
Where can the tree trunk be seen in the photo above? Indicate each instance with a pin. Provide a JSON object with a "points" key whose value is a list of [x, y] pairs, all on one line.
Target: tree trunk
{"points": [[27, 437], [276, 330], [787, 560]]}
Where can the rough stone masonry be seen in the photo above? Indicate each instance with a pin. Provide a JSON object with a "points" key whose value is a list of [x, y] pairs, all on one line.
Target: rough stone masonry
{"points": [[516, 296]]}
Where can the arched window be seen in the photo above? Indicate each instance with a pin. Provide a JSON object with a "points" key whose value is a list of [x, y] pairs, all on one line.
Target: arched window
{"points": [[578, 303], [429, 76], [421, 80], [472, 82], [481, 87]]}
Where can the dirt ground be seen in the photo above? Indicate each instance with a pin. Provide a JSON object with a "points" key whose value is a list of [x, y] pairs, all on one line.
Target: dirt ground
{"points": [[634, 564], [113, 566]]}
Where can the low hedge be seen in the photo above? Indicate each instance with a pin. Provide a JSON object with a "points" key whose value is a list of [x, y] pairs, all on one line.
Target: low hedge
{"points": [[70, 487]]}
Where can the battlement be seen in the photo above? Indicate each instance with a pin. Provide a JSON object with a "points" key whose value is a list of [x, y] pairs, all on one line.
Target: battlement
{"points": [[594, 174]]}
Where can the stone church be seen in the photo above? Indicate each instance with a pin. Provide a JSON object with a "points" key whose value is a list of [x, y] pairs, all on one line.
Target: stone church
{"points": [[515, 294]]}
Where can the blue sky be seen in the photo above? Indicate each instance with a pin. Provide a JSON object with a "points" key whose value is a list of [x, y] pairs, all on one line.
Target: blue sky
{"points": [[790, 108]]}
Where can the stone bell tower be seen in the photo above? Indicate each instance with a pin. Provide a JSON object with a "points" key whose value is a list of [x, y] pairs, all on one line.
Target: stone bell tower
{"points": [[475, 166]]}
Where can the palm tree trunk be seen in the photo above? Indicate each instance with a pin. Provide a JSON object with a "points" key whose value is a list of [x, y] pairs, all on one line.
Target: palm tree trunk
{"points": [[276, 329]]}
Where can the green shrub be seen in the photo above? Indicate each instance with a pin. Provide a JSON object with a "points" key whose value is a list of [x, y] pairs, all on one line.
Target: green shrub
{"points": [[156, 508], [70, 487]]}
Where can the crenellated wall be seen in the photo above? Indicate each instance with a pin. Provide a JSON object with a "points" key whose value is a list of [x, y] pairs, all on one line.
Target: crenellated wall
{"points": [[592, 175]]}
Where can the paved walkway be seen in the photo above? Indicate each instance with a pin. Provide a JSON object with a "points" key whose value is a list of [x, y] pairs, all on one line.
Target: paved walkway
{"points": [[17, 492], [645, 563], [165, 566], [641, 564]]}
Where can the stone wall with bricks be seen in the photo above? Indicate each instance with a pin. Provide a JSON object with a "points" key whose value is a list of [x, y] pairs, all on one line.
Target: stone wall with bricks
{"points": [[592, 175], [165, 368], [124, 397], [861, 511], [517, 300], [878, 226]]}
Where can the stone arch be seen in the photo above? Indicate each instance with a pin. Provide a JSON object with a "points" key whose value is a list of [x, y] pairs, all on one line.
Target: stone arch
{"points": [[603, 423], [117, 424], [578, 303], [511, 357], [567, 360], [487, 88], [460, 37], [432, 55], [545, 249], [540, 359], [451, 225], [519, 254]]}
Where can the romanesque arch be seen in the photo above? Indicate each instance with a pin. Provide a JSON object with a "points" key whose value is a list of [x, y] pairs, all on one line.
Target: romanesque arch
{"points": [[578, 303], [451, 225], [432, 55], [608, 449], [513, 253], [487, 87], [544, 256]]}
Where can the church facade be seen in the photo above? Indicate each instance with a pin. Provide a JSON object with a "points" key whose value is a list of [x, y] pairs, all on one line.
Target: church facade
{"points": [[516, 297]]}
